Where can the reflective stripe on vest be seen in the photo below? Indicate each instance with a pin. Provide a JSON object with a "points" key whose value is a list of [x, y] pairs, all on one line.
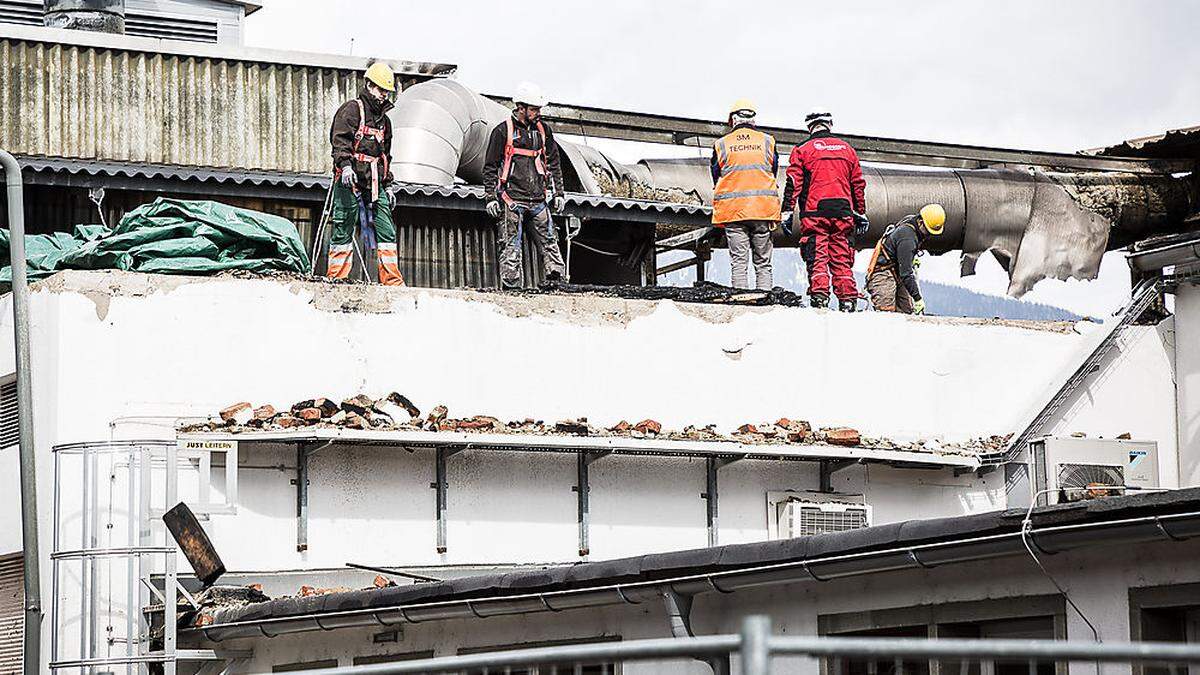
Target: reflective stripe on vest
{"points": [[510, 150], [746, 187]]}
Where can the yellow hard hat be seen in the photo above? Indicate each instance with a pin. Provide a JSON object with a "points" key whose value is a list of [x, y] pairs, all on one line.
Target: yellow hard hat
{"points": [[934, 218], [743, 104], [382, 76]]}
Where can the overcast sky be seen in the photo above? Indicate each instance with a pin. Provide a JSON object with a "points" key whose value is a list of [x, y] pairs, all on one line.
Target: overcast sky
{"points": [[1062, 75]]}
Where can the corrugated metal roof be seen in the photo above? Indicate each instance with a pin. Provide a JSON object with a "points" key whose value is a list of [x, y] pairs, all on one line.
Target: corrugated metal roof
{"points": [[126, 99], [462, 197], [1173, 144], [475, 192], [150, 171]]}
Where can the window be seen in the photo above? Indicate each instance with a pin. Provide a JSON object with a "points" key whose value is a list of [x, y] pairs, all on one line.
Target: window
{"points": [[605, 668], [1165, 614], [1035, 617]]}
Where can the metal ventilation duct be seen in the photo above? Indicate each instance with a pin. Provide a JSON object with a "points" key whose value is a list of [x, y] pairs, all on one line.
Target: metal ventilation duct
{"points": [[1038, 225], [103, 16]]}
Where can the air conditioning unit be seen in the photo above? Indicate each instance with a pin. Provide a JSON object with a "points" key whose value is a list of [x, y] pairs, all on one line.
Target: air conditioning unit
{"points": [[800, 518], [1072, 469]]}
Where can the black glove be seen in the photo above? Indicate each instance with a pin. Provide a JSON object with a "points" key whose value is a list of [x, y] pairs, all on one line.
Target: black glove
{"points": [[861, 224]]}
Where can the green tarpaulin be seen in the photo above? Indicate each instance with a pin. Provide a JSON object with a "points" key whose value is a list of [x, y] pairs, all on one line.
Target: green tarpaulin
{"points": [[169, 236]]}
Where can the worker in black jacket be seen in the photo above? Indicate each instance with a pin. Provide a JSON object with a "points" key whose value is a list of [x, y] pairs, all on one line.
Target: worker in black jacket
{"points": [[522, 177], [891, 277], [361, 138]]}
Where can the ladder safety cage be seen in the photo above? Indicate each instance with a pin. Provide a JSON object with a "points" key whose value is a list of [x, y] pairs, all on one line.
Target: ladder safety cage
{"points": [[113, 563]]}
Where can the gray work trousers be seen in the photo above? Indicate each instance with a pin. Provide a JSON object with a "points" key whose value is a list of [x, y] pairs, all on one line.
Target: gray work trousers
{"points": [[521, 218], [750, 238]]}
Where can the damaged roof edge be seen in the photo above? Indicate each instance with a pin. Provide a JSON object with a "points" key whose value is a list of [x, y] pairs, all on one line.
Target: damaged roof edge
{"points": [[1163, 516], [615, 444]]}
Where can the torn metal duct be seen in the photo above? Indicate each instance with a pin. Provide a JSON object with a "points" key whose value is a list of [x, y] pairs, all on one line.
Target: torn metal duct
{"points": [[1037, 224]]}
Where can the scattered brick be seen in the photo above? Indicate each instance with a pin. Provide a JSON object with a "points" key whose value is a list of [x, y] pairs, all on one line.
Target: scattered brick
{"points": [[783, 423], [479, 422], [326, 406], [360, 405], [356, 421], [383, 582], [402, 401], [310, 415], [203, 619], [255, 587], [648, 427], [747, 429], [264, 413], [436, 416], [288, 421], [843, 436], [238, 413], [577, 427], [621, 427]]}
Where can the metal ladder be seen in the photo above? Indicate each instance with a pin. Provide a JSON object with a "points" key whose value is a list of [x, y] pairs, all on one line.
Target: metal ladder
{"points": [[120, 564]]}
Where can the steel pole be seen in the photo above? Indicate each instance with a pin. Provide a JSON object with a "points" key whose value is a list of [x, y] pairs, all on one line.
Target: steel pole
{"points": [[755, 644], [29, 507]]}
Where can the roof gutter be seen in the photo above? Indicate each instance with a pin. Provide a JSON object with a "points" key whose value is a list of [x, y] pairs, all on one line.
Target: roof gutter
{"points": [[1049, 540]]}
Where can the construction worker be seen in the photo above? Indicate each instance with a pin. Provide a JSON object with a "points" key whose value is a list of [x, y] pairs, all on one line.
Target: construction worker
{"points": [[361, 136], [891, 275], [746, 197], [523, 180], [826, 192]]}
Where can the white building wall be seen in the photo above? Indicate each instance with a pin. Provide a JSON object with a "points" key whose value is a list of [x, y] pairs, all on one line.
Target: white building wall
{"points": [[1187, 377], [115, 353]]}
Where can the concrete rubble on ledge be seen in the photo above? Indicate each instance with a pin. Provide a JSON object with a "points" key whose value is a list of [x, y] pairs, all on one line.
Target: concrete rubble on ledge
{"points": [[397, 412]]}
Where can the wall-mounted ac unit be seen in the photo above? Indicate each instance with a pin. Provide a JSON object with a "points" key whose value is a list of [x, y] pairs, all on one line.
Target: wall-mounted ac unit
{"points": [[799, 518], [1072, 469]]}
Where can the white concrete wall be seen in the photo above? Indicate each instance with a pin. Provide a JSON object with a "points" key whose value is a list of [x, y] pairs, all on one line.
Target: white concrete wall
{"points": [[1098, 580], [1133, 392], [1187, 378], [10, 502]]}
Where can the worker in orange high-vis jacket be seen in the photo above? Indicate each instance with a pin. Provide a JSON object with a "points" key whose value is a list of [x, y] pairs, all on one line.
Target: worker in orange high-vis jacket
{"points": [[361, 136], [746, 198]]}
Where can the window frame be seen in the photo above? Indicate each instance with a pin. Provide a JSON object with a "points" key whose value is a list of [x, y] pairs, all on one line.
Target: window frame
{"points": [[933, 616]]}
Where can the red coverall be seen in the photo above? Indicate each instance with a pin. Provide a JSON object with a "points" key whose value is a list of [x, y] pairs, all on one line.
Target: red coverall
{"points": [[825, 182]]}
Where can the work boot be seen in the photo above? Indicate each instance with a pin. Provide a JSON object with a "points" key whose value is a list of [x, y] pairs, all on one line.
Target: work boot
{"points": [[848, 305], [553, 277], [819, 301]]}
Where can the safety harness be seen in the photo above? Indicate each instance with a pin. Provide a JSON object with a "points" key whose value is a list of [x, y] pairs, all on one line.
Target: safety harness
{"points": [[376, 133], [511, 150]]}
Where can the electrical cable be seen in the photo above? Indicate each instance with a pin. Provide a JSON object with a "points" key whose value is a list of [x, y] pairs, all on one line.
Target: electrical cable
{"points": [[1026, 529], [596, 250]]}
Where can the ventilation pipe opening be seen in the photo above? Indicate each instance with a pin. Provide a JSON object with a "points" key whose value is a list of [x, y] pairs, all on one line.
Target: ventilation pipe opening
{"points": [[101, 16]]}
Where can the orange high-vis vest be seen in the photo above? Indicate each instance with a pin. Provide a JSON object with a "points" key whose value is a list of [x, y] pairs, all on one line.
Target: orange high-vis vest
{"points": [[746, 188]]}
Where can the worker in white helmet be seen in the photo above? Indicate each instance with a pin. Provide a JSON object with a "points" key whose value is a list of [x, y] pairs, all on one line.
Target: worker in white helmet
{"points": [[523, 179]]}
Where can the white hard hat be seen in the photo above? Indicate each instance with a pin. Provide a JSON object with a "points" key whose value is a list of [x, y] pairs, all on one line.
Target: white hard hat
{"points": [[530, 94], [818, 115]]}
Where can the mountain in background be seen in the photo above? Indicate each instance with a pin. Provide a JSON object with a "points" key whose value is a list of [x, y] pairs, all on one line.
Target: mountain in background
{"points": [[940, 299]]}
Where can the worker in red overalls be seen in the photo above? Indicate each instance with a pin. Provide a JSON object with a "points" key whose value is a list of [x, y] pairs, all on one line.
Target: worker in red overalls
{"points": [[826, 192], [361, 136]]}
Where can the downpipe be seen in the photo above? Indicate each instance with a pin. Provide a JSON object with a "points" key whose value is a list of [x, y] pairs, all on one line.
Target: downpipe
{"points": [[29, 519]]}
